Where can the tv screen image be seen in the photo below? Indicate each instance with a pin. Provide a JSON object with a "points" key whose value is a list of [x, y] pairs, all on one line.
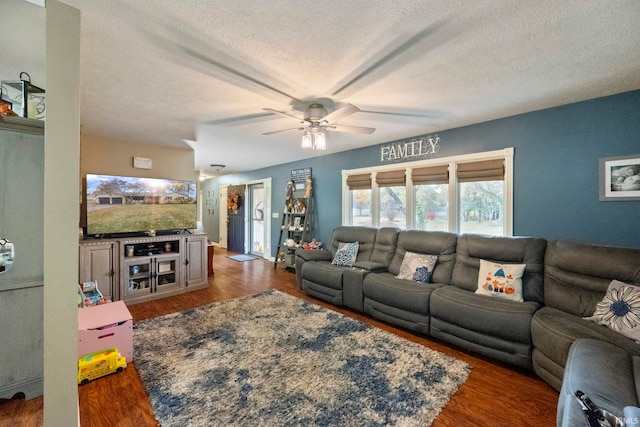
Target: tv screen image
{"points": [[120, 204]]}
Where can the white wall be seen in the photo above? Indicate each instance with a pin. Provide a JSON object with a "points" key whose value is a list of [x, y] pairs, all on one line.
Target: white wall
{"points": [[61, 216]]}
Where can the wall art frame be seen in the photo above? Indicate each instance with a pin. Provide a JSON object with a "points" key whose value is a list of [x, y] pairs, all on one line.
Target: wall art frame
{"points": [[620, 178]]}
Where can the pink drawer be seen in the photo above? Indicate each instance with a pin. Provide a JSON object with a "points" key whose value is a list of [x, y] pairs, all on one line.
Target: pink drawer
{"points": [[105, 326]]}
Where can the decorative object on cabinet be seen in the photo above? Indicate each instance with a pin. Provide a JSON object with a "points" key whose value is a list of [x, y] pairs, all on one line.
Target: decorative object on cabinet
{"points": [[27, 99], [6, 107]]}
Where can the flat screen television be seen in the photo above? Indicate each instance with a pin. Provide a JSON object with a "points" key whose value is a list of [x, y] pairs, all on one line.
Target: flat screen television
{"points": [[117, 205]]}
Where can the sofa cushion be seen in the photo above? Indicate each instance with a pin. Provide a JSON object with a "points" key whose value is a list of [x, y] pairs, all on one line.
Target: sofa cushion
{"points": [[500, 280], [619, 310], [553, 331], [508, 320], [385, 245], [346, 254], [417, 267], [577, 275], [399, 293], [323, 273], [471, 248], [439, 243], [365, 236]]}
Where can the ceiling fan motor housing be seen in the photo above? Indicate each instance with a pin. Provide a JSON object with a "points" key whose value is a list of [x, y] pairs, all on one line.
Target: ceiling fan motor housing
{"points": [[315, 112]]}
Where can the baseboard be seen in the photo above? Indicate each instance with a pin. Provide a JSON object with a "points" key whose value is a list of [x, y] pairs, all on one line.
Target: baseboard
{"points": [[31, 388]]}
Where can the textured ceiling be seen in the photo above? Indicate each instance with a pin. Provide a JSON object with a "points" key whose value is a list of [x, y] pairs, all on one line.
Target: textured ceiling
{"points": [[200, 72]]}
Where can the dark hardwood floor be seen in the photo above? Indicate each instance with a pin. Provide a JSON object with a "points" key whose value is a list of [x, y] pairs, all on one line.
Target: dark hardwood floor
{"points": [[494, 394]]}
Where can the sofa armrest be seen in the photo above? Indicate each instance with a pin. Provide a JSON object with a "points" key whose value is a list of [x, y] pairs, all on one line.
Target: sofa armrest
{"points": [[314, 255], [371, 266], [304, 255]]}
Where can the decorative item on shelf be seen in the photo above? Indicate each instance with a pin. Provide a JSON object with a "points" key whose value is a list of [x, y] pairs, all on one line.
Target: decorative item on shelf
{"points": [[6, 107], [130, 251], [151, 233], [288, 200], [307, 191], [27, 99], [299, 206], [233, 201], [312, 245], [281, 256], [290, 243], [167, 247]]}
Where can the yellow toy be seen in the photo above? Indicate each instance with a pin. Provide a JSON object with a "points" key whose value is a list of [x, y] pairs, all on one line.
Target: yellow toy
{"points": [[99, 364]]}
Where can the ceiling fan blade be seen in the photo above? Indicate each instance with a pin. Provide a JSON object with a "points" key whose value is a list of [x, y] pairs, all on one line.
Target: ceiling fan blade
{"points": [[351, 129], [340, 113], [271, 110], [282, 130], [232, 120], [394, 52], [427, 115]]}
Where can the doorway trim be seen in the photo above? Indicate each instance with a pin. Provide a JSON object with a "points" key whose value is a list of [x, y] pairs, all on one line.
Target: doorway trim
{"points": [[223, 190], [266, 182]]}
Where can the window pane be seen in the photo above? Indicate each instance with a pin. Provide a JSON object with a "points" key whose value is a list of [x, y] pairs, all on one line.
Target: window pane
{"points": [[361, 207], [393, 212], [432, 207], [481, 207]]}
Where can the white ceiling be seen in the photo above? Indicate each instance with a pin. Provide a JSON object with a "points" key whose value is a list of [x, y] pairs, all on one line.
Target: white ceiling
{"points": [[199, 72]]}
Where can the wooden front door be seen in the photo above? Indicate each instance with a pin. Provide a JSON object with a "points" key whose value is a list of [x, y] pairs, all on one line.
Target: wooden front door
{"points": [[235, 219]]}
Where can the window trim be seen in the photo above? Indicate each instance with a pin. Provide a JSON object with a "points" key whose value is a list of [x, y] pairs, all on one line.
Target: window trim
{"points": [[452, 162]]}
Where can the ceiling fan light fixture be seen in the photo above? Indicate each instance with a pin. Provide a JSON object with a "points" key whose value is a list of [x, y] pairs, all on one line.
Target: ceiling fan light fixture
{"points": [[319, 141], [306, 140]]}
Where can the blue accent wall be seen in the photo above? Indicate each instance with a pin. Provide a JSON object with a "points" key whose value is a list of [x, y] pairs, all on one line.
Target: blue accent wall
{"points": [[556, 171]]}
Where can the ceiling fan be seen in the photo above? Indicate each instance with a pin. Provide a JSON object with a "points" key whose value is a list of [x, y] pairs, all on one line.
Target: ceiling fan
{"points": [[317, 121]]}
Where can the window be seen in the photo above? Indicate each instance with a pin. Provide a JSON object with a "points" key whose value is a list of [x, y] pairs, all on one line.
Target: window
{"points": [[360, 196], [361, 212], [481, 193], [393, 199], [431, 195], [462, 194]]}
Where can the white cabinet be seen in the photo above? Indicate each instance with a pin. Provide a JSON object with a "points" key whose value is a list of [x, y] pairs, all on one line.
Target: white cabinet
{"points": [[196, 262], [149, 277], [98, 261], [139, 269], [21, 286]]}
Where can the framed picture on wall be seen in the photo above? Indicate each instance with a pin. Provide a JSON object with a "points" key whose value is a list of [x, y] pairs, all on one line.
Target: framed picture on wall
{"points": [[620, 178]]}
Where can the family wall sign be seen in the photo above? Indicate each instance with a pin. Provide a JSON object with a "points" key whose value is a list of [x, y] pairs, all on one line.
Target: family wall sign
{"points": [[412, 149]]}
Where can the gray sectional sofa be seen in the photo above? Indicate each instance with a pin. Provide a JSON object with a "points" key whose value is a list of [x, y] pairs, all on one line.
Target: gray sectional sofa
{"points": [[562, 283]]}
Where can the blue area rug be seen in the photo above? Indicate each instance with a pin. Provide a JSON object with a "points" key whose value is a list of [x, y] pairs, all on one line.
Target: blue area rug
{"points": [[271, 359]]}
